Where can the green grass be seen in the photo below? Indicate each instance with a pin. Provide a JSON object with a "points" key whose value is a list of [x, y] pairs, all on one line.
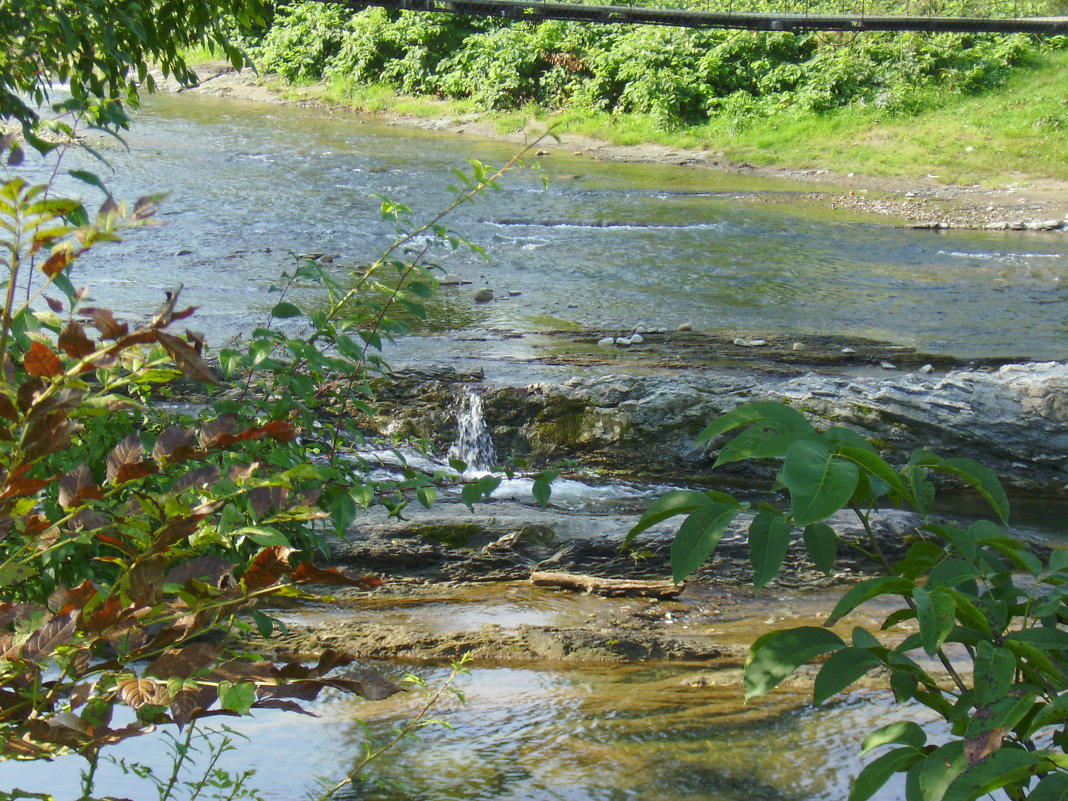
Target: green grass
{"points": [[1019, 130]]}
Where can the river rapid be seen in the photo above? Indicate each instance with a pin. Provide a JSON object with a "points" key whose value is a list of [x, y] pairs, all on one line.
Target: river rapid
{"points": [[605, 246]]}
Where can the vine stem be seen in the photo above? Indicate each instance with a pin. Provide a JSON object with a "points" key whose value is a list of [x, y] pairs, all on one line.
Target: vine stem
{"points": [[873, 540]]}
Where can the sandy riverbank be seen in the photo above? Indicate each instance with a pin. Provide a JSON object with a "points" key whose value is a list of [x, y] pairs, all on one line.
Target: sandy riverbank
{"points": [[921, 201]]}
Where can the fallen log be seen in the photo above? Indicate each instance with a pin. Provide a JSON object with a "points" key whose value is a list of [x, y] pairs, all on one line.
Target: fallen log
{"points": [[607, 586]]}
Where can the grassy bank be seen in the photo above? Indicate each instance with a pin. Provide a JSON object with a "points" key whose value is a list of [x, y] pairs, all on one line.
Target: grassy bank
{"points": [[965, 107]]}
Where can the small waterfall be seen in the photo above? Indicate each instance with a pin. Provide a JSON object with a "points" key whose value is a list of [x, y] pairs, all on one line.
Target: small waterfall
{"points": [[473, 443]]}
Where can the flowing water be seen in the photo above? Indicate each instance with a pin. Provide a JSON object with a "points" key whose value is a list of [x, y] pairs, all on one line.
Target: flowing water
{"points": [[605, 245]]}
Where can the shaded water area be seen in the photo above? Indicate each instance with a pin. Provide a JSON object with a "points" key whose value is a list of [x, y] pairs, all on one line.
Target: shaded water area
{"points": [[604, 246]]}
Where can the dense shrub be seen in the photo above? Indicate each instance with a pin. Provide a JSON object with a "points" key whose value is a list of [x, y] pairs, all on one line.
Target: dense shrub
{"points": [[676, 76]]}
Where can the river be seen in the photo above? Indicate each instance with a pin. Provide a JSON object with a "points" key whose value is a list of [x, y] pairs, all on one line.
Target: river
{"points": [[605, 246]]}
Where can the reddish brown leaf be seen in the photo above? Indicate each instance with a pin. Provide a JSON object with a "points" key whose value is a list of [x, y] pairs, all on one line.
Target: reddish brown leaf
{"points": [[280, 430], [130, 472], [175, 443], [137, 693], [56, 263], [74, 342], [66, 599], [240, 472], [54, 304], [203, 478], [20, 747], [27, 393], [78, 486], [264, 500], [104, 322], [304, 690], [213, 570], [174, 532], [213, 432], [269, 565], [7, 408], [129, 451], [196, 338], [365, 683], [105, 615], [41, 361], [22, 486], [187, 359], [42, 643], [48, 434], [185, 661], [330, 659], [79, 694], [146, 577], [189, 704], [288, 706], [307, 573]]}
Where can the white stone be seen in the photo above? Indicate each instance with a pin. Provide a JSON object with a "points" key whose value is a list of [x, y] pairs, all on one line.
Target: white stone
{"points": [[607, 342], [927, 368], [848, 351], [637, 339], [797, 346], [888, 365], [623, 342]]}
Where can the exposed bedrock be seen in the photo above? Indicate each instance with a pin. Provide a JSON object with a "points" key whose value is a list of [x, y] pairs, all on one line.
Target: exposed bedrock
{"points": [[1013, 419]]}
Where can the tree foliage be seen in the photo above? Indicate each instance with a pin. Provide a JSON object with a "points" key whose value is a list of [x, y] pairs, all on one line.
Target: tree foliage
{"points": [[104, 49]]}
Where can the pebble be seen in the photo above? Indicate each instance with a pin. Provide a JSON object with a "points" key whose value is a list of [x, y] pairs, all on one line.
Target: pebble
{"points": [[685, 327], [183, 253], [542, 153], [927, 368], [637, 339], [514, 293], [888, 365], [607, 342], [848, 351], [797, 346], [750, 343], [326, 258], [623, 342], [483, 295], [450, 279]]}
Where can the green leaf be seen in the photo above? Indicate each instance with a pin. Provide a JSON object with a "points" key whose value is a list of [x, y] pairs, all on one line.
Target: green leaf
{"points": [[821, 542], [264, 536], [903, 732], [877, 467], [237, 697], [776, 655], [982, 479], [1053, 787], [842, 669], [342, 509], [752, 413], [265, 623], [285, 310], [866, 590], [769, 538], [1004, 766], [87, 177], [426, 496], [1048, 639], [879, 771], [768, 439], [935, 614], [698, 537], [542, 491], [994, 671], [941, 767], [678, 502], [819, 483]]}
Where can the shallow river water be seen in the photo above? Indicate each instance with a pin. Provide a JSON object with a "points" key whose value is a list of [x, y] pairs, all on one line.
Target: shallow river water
{"points": [[605, 245]]}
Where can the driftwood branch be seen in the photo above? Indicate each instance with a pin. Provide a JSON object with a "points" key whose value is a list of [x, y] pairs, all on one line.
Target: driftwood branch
{"points": [[607, 586]]}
